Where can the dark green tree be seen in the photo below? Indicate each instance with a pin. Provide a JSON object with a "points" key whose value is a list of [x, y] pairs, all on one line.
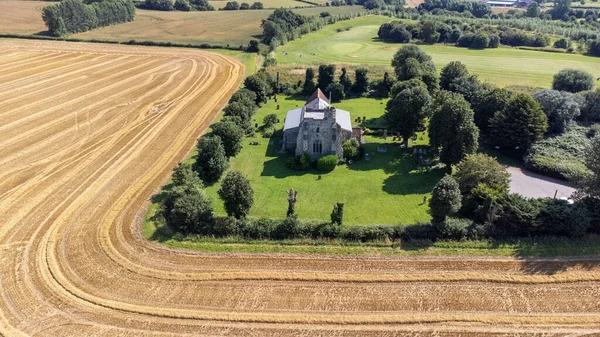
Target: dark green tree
{"points": [[309, 82], [337, 214], [519, 125], [478, 169], [486, 102], [411, 62], [326, 76], [211, 160], [231, 135], [452, 71], [405, 113], [589, 185], [445, 200], [361, 82], [336, 91], [345, 80], [451, 128], [259, 86], [573, 80], [561, 9], [188, 209], [184, 174], [590, 111], [237, 194], [561, 108], [54, 21], [244, 96], [533, 10]]}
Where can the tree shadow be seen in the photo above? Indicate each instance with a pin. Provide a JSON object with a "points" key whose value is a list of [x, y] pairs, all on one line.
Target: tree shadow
{"points": [[275, 162], [45, 33]]}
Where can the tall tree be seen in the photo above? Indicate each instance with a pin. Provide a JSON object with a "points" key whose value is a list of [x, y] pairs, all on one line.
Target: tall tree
{"points": [[590, 111], [188, 209], [479, 169], [309, 82], [259, 86], [486, 102], [326, 76], [561, 108], [345, 80], [231, 135], [561, 9], [589, 185], [452, 71], [519, 125], [533, 10], [211, 160], [411, 62], [445, 200], [405, 113], [361, 82], [237, 194], [451, 128]]}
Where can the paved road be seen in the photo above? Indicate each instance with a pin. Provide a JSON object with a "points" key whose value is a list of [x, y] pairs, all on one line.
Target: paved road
{"points": [[534, 185]]}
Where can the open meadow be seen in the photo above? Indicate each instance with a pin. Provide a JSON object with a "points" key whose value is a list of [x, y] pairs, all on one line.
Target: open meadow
{"points": [[359, 45]]}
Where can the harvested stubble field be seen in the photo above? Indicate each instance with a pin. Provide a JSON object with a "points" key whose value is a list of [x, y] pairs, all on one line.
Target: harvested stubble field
{"points": [[88, 133]]}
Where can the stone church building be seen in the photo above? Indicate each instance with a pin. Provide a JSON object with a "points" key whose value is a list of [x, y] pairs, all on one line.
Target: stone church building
{"points": [[318, 128]]}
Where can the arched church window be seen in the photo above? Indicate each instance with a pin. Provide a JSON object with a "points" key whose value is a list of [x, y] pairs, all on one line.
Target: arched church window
{"points": [[317, 146], [317, 129]]}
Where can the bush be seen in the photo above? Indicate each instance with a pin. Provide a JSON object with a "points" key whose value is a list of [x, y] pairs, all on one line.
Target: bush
{"points": [[562, 43], [327, 163], [270, 120], [225, 226], [420, 231], [258, 229], [302, 163], [350, 149], [288, 228], [561, 157], [480, 41], [370, 233], [573, 80], [455, 229]]}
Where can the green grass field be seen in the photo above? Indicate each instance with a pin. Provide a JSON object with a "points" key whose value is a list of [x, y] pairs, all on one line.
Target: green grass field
{"points": [[359, 45], [221, 27], [386, 189]]}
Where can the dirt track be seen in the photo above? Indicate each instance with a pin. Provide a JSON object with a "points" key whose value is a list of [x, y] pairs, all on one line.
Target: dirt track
{"points": [[87, 134]]}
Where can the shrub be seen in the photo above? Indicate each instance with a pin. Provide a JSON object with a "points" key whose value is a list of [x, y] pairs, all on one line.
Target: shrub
{"points": [[288, 228], [455, 229], [303, 162], [481, 169], [561, 108], [445, 199], [573, 80], [237, 194], [225, 226], [327, 163], [420, 231], [370, 233], [562, 43], [562, 157], [350, 149], [258, 229], [480, 41], [270, 120]]}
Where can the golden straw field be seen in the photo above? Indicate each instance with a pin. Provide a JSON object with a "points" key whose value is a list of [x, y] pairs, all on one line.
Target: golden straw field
{"points": [[89, 132]]}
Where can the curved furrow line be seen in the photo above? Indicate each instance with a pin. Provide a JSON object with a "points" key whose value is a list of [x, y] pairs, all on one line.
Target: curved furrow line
{"points": [[53, 78], [106, 125], [115, 79]]}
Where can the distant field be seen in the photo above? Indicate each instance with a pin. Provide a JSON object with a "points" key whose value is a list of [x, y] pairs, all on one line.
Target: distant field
{"points": [[502, 66], [22, 17], [266, 3], [222, 27]]}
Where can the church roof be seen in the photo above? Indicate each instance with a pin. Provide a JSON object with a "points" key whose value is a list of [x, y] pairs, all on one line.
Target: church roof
{"points": [[294, 118], [317, 101], [317, 94]]}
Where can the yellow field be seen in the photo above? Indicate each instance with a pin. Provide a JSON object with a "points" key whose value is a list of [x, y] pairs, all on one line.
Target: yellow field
{"points": [[22, 17]]}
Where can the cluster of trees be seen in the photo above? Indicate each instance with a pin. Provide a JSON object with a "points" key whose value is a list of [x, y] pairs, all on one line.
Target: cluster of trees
{"points": [[479, 190], [337, 89], [76, 16], [477, 8], [186, 207], [452, 31], [234, 5], [180, 5], [284, 25]]}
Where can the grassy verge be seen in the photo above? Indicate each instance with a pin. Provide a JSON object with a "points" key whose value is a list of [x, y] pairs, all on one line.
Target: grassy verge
{"points": [[541, 247]]}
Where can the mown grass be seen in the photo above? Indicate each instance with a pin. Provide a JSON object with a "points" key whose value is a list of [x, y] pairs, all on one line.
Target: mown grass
{"points": [[501, 66], [232, 28], [386, 189]]}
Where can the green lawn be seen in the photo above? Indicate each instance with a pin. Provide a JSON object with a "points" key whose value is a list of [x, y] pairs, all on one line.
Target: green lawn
{"points": [[359, 45], [387, 189]]}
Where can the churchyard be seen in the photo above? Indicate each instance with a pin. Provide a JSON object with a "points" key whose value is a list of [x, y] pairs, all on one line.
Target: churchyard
{"points": [[386, 188]]}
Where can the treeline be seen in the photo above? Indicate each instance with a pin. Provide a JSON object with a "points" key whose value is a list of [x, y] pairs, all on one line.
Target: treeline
{"points": [[180, 5], [463, 35], [477, 8], [76, 16], [284, 25], [234, 6]]}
